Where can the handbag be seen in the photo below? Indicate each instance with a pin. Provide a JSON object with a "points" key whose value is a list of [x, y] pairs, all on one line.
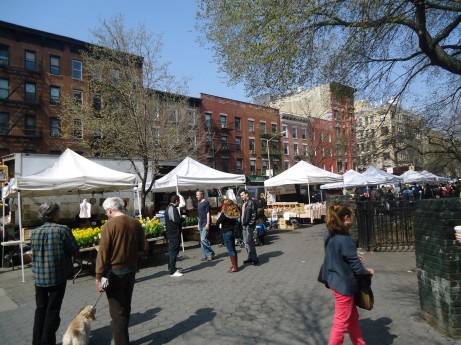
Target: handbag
{"points": [[319, 278], [364, 297]]}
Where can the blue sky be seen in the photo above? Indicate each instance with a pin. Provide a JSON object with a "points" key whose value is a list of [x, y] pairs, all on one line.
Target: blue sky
{"points": [[175, 19]]}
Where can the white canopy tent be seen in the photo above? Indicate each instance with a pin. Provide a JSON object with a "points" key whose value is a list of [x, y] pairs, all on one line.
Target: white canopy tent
{"points": [[70, 174], [373, 175], [412, 176], [192, 174], [351, 178], [302, 173], [434, 178]]}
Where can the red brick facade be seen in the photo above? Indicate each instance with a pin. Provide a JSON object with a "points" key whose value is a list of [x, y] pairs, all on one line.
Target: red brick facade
{"points": [[235, 134], [36, 69]]}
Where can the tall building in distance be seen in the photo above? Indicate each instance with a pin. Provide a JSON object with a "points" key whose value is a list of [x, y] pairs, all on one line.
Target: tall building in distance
{"points": [[388, 135], [330, 108]]}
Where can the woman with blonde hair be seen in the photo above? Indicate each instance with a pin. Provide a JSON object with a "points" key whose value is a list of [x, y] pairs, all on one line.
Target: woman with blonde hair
{"points": [[227, 221], [340, 266]]}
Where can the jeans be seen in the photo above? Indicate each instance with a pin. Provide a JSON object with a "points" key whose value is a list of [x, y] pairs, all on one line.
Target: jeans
{"points": [[205, 244], [119, 294], [249, 244], [229, 242], [173, 251], [46, 322], [346, 318]]}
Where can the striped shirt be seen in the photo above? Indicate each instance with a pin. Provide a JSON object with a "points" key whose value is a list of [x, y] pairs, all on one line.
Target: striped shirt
{"points": [[53, 246]]}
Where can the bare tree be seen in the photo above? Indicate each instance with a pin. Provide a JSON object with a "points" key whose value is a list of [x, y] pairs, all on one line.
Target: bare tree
{"points": [[135, 109]]}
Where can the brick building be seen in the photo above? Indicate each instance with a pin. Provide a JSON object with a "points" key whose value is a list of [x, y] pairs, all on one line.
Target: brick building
{"points": [[36, 69], [235, 136], [331, 108]]}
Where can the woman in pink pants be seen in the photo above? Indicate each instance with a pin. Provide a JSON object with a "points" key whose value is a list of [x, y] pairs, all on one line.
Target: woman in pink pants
{"points": [[340, 266]]}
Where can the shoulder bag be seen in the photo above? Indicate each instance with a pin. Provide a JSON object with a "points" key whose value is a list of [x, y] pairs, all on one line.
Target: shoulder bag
{"points": [[364, 297], [319, 278]]}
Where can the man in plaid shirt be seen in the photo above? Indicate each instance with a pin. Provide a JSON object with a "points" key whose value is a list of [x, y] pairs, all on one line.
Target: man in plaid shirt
{"points": [[53, 246]]}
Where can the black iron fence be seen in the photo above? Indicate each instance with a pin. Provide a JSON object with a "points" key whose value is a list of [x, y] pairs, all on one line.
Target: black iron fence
{"points": [[385, 225]]}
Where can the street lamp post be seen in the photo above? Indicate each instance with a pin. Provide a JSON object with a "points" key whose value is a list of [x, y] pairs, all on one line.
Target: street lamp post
{"points": [[268, 151]]}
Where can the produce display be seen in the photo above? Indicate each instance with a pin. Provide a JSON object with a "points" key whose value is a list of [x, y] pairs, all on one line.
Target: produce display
{"points": [[89, 237]]}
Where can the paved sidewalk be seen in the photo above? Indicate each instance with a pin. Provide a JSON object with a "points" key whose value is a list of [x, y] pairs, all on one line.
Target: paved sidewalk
{"points": [[278, 302]]}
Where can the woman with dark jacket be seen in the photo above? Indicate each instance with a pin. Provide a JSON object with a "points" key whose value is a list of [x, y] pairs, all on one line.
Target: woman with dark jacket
{"points": [[227, 221], [340, 266]]}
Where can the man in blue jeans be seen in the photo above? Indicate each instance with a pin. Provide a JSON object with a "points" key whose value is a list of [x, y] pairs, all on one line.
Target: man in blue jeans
{"points": [[204, 225]]}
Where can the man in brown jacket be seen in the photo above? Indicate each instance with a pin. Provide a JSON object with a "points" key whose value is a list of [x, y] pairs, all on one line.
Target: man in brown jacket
{"points": [[122, 238]]}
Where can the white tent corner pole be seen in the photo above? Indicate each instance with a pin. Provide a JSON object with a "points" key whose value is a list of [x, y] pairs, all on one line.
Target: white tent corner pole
{"points": [[182, 242], [21, 237], [3, 229]]}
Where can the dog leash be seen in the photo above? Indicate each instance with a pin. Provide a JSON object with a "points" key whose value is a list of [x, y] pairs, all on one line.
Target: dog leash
{"points": [[100, 294]]}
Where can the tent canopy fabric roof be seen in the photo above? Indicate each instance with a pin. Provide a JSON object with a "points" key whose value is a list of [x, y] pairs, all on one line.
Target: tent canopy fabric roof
{"points": [[71, 173], [351, 178], [192, 174], [374, 175], [302, 173], [412, 176]]}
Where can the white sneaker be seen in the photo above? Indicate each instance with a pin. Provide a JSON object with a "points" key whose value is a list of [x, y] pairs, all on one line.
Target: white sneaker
{"points": [[176, 274]]}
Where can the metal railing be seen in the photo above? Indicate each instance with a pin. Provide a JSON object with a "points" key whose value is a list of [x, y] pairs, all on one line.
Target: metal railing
{"points": [[385, 225]]}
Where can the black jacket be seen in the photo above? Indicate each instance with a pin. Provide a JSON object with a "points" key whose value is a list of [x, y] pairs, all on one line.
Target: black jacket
{"points": [[173, 221], [249, 218], [227, 222]]}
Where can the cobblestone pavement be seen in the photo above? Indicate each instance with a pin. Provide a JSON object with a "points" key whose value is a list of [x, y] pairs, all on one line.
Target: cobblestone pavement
{"points": [[277, 302]]}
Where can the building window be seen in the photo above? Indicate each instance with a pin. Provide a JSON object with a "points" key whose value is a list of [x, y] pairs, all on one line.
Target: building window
{"points": [[238, 126], [30, 60], [331, 167], [304, 133], [30, 125], [224, 142], [77, 69], [238, 143], [252, 146], [253, 167], [305, 150], [77, 132], [30, 93], [340, 166], [264, 166], [4, 55], [294, 131], [251, 126], [286, 149], [285, 131], [274, 128], [54, 95], [336, 115], [4, 123], [4, 88], [225, 164], [238, 165], [276, 165], [295, 149], [78, 97], [115, 77], [208, 141], [286, 165], [264, 145], [263, 127], [207, 120], [223, 120], [97, 102], [55, 127], [55, 65]]}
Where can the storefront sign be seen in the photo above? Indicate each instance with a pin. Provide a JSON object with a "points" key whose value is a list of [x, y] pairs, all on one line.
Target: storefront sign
{"points": [[257, 178]]}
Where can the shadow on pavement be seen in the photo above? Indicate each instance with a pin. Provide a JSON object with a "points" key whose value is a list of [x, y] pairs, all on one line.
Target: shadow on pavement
{"points": [[377, 331], [200, 317]]}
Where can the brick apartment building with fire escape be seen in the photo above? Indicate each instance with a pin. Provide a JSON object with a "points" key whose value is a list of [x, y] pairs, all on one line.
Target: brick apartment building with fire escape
{"points": [[236, 135]]}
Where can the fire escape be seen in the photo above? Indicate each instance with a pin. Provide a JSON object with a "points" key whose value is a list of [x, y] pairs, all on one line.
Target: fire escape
{"points": [[220, 146], [20, 104]]}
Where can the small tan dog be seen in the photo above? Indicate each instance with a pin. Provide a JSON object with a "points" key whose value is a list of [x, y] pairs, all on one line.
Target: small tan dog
{"points": [[78, 332]]}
